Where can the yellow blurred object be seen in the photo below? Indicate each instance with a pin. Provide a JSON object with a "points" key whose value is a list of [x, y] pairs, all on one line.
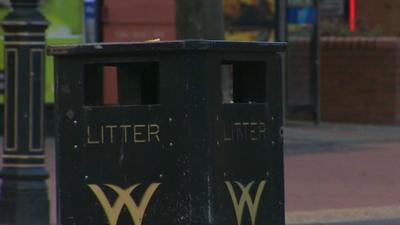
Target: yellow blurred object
{"points": [[272, 3], [153, 40], [241, 35], [251, 15], [249, 36], [232, 8], [248, 2]]}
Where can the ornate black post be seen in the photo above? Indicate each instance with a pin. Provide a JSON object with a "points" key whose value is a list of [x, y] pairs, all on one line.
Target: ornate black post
{"points": [[315, 64], [23, 191]]}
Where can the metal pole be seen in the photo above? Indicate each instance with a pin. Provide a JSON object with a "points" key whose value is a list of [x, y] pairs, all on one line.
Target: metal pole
{"points": [[23, 191], [315, 67], [281, 35], [280, 20]]}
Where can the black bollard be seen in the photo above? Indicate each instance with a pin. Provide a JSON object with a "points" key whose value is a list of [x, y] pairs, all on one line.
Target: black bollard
{"points": [[23, 191]]}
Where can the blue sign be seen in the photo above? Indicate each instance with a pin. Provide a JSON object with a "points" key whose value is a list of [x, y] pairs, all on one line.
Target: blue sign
{"points": [[90, 9], [302, 15], [91, 31]]}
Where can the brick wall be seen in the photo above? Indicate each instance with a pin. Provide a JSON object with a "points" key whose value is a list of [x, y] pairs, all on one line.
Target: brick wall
{"points": [[298, 72], [360, 79], [383, 13]]}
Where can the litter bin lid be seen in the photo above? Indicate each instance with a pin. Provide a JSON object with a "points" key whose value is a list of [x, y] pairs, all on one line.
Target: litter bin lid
{"points": [[165, 46]]}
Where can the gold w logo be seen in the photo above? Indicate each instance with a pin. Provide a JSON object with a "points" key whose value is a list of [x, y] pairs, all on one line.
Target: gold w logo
{"points": [[124, 199], [245, 198]]}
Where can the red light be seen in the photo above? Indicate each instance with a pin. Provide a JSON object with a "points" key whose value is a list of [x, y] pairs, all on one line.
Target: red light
{"points": [[352, 15]]}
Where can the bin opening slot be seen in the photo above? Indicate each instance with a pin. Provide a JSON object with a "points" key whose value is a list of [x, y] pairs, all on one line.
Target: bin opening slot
{"points": [[243, 82], [121, 84]]}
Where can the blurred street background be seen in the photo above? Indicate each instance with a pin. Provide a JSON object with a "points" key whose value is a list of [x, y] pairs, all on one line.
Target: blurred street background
{"points": [[341, 82]]}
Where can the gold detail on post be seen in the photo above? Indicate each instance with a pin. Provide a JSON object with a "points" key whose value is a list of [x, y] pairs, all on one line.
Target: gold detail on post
{"points": [[245, 198], [8, 147], [31, 100], [20, 165], [124, 198], [25, 34], [23, 156], [25, 43]]}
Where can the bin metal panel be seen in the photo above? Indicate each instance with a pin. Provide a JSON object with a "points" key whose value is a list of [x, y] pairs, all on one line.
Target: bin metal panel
{"points": [[186, 156]]}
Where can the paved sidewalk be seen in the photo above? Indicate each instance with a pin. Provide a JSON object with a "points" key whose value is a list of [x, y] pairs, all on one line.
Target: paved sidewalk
{"points": [[342, 174], [303, 138]]}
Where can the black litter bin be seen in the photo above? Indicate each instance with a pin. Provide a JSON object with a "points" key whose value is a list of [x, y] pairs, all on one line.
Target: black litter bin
{"points": [[194, 137]]}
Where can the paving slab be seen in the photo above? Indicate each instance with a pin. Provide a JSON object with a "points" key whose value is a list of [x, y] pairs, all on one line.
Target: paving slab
{"points": [[333, 171], [301, 137]]}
